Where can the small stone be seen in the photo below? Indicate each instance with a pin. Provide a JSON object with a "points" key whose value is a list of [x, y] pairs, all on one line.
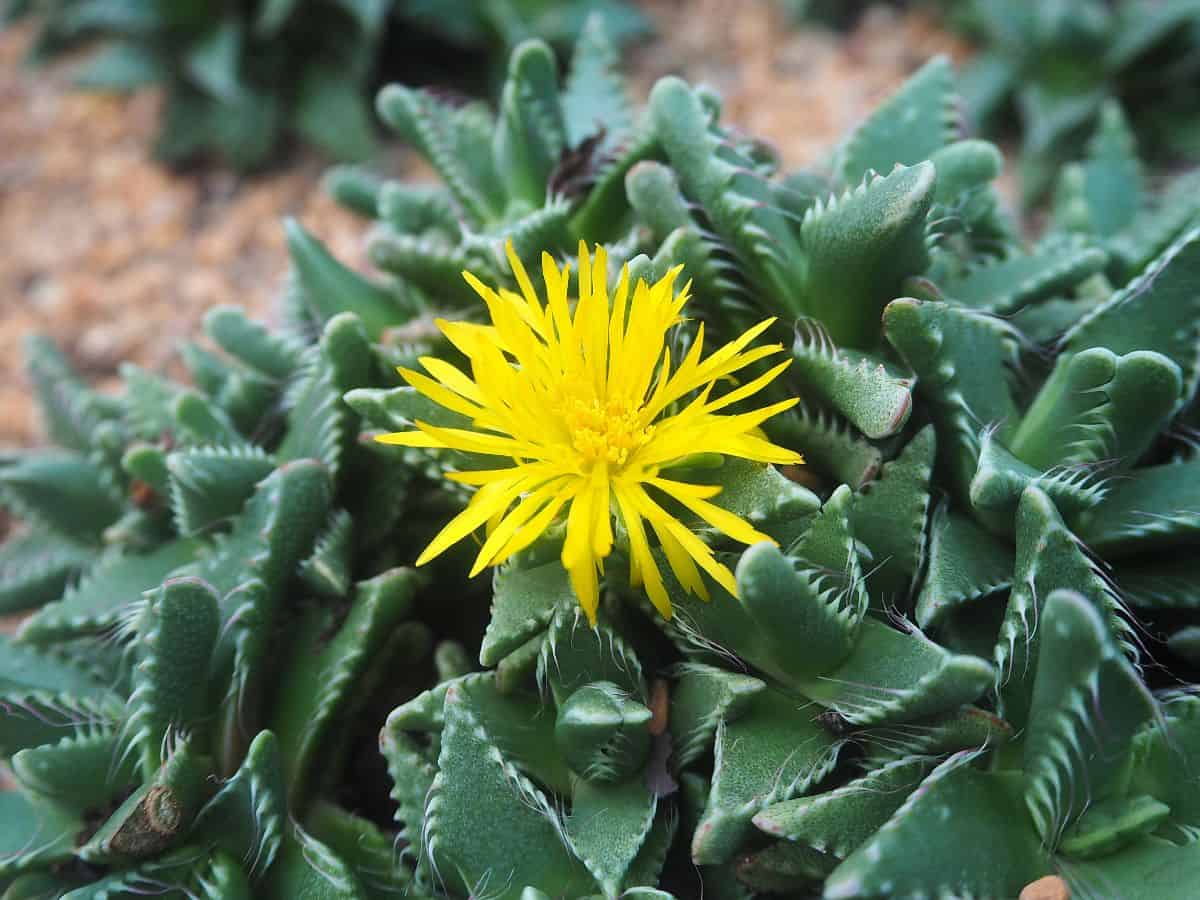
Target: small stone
{"points": [[1052, 887]]}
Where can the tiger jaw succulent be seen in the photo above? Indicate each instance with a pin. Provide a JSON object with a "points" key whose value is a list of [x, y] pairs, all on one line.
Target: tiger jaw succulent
{"points": [[943, 674]]}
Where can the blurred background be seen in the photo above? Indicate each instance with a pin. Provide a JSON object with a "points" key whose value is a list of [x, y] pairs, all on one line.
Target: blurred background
{"points": [[148, 150]]}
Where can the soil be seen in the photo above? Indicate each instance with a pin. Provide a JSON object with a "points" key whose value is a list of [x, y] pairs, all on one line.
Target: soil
{"points": [[119, 258]]}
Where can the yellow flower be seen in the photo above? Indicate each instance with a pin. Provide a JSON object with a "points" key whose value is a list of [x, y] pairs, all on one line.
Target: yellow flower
{"points": [[577, 406]]}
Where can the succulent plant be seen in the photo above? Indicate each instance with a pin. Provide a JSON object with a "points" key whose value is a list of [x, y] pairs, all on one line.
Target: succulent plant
{"points": [[962, 660], [242, 77], [1056, 65]]}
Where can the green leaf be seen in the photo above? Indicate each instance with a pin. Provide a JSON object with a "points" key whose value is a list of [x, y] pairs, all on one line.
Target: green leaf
{"points": [[772, 751], [319, 423], [961, 833], [1160, 582], [155, 816], [603, 732], [69, 411], [75, 774], [1082, 677], [33, 835], [1151, 508], [602, 211], [828, 443], [701, 698], [966, 728], [594, 97], [1001, 479], [69, 494], [430, 264], [893, 676], [1155, 311], [115, 584], [483, 815], [1154, 230], [607, 827], [523, 602], [874, 395], [120, 66], [247, 817], [365, 849], [965, 564], [199, 421], [328, 570], [963, 360], [861, 246], [819, 593], [890, 515], [1151, 869], [356, 189], [322, 672], [329, 288], [739, 203], [910, 126], [1164, 758], [647, 867], [1104, 194], [1049, 557], [1099, 406], [42, 695], [331, 113], [36, 566], [531, 133], [272, 354], [210, 485], [840, 821], [1109, 825], [213, 58], [457, 143], [575, 654], [1006, 285], [26, 669], [177, 634], [307, 868]]}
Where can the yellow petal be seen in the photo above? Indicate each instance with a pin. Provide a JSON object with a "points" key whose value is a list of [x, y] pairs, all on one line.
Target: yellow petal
{"points": [[722, 519], [486, 502]]}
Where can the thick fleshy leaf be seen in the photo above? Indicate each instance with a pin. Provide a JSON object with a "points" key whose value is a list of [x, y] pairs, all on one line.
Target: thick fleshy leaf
{"points": [[248, 816], [1049, 557], [838, 822], [964, 360], [895, 675], [915, 122], [890, 516], [177, 634], [962, 833], [1082, 677], [1004, 286], [323, 671], [1152, 508], [873, 394], [109, 589], [607, 827], [861, 246], [1099, 407], [523, 602], [965, 564], [701, 698], [1155, 311], [483, 815], [774, 750], [36, 566]]}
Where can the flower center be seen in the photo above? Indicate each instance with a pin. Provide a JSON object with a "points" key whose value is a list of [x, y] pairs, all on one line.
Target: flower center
{"points": [[606, 430]]}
